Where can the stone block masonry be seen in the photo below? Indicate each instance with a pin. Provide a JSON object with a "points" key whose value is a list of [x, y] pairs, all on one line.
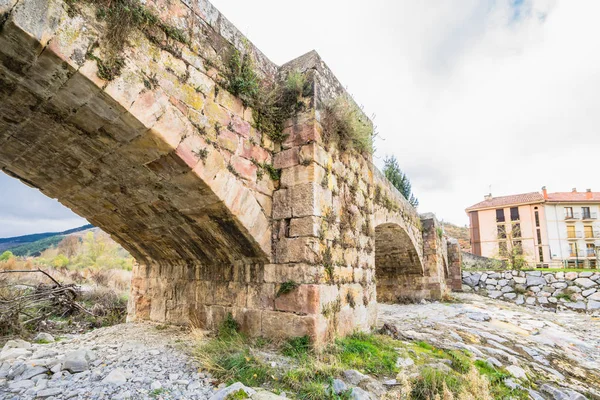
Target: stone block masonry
{"points": [[149, 145], [578, 291]]}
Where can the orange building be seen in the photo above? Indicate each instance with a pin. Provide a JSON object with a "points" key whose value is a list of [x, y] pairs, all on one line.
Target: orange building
{"points": [[501, 224], [549, 229]]}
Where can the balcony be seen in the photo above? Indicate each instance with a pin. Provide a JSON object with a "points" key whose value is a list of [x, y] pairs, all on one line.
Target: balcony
{"points": [[589, 216], [572, 217], [590, 253], [574, 235], [592, 235]]}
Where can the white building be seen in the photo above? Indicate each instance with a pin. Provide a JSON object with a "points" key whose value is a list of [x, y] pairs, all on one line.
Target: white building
{"points": [[572, 220]]}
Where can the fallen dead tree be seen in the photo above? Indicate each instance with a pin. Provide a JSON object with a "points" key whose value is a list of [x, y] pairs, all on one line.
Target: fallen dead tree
{"points": [[23, 305]]}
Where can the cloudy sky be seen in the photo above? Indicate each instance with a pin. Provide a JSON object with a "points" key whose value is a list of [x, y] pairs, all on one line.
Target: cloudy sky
{"points": [[467, 94]]}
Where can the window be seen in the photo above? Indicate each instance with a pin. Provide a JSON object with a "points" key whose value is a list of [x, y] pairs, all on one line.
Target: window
{"points": [[568, 212], [590, 250], [537, 219], [518, 247], [571, 232], [586, 212], [514, 213], [500, 215], [516, 230], [541, 253], [573, 249], [589, 231], [501, 231], [539, 236], [502, 249]]}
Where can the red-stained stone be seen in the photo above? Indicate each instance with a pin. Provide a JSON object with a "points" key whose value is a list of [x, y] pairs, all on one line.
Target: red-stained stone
{"points": [[244, 168]]}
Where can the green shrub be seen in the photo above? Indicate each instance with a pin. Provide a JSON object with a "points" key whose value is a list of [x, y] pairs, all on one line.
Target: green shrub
{"points": [[7, 255]]}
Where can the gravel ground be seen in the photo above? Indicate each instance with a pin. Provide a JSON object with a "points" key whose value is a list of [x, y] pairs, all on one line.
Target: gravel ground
{"points": [[137, 361]]}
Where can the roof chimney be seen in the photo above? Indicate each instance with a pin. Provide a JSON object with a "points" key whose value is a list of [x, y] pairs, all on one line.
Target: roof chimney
{"points": [[574, 190], [487, 196], [545, 192], [588, 194]]}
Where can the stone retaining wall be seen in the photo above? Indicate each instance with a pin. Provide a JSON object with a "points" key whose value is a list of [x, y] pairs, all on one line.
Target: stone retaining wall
{"points": [[578, 291]]}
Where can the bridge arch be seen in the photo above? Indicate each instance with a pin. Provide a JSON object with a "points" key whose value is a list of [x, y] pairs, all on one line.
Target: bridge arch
{"points": [[397, 263]]}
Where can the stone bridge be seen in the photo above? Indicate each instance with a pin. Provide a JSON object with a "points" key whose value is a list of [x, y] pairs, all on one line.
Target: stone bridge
{"points": [[292, 237]]}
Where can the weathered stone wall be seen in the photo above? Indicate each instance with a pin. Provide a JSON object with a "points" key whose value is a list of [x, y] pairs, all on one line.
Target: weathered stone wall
{"points": [[168, 162], [579, 291], [454, 280], [473, 261]]}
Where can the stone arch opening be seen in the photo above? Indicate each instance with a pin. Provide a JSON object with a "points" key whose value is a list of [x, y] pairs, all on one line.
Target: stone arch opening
{"points": [[398, 267]]}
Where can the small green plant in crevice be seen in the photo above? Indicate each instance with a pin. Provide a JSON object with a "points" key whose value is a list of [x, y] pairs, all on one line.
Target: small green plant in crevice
{"points": [[332, 308], [345, 124], [231, 169], [350, 300], [202, 154], [110, 69], [440, 232], [328, 264], [565, 296], [286, 287], [274, 173], [237, 395], [157, 392]]}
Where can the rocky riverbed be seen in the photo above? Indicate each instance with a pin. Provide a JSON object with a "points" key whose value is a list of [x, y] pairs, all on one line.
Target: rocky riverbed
{"points": [[555, 352], [555, 355], [127, 361]]}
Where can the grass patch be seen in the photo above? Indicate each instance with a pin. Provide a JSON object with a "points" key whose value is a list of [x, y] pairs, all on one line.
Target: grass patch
{"points": [[468, 379], [297, 347], [231, 357], [369, 353]]}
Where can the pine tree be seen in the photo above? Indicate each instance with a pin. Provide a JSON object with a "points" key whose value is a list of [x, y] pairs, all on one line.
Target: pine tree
{"points": [[392, 171]]}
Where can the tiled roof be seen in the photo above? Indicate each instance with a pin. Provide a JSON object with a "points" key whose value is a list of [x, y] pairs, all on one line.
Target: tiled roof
{"points": [[576, 197], [504, 201]]}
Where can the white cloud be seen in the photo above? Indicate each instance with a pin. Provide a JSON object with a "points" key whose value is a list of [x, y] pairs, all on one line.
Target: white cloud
{"points": [[467, 93]]}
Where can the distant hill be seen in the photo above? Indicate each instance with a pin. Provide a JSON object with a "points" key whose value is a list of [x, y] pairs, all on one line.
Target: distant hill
{"points": [[461, 233], [35, 243]]}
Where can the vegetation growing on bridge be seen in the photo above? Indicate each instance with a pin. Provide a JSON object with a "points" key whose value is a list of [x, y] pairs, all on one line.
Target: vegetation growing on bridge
{"points": [[272, 103], [122, 17], [344, 124]]}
